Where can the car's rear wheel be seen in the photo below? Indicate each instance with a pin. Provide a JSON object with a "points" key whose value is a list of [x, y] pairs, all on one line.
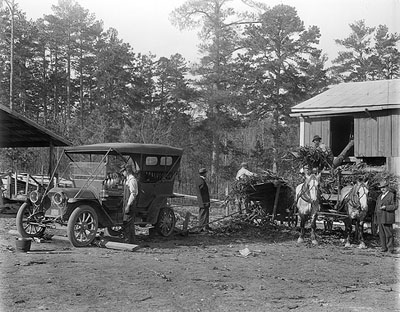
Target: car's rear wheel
{"points": [[82, 226], [166, 222], [28, 222]]}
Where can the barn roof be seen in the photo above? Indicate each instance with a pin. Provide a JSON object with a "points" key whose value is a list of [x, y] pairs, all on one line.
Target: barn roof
{"points": [[19, 131], [352, 97]]}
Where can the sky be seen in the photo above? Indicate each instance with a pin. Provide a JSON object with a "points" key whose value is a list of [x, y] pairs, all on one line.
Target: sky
{"points": [[145, 24]]}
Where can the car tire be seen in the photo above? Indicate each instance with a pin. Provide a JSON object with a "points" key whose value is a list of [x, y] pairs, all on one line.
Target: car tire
{"points": [[24, 222], [82, 226], [166, 222]]}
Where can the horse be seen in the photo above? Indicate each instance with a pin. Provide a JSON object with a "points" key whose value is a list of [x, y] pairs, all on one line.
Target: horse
{"points": [[355, 200], [307, 202]]}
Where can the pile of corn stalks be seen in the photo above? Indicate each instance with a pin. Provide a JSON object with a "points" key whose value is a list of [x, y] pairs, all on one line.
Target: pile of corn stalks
{"points": [[314, 157], [361, 172], [241, 188], [246, 187]]}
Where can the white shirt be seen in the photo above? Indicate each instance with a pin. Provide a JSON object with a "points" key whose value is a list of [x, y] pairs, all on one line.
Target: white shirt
{"points": [[132, 184], [384, 194], [243, 172]]}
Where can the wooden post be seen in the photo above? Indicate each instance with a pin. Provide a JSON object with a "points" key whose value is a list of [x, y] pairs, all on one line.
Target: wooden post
{"points": [[339, 182], [27, 184], [278, 188], [15, 184]]}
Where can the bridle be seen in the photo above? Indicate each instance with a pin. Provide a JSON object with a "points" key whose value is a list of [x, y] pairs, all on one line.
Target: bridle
{"points": [[305, 193], [354, 198]]}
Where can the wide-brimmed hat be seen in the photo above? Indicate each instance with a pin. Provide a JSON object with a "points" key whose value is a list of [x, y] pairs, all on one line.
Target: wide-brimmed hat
{"points": [[316, 138], [383, 183], [202, 170], [125, 167]]}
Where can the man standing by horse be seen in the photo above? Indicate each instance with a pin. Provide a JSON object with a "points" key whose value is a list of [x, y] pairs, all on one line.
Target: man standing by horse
{"points": [[385, 216]]}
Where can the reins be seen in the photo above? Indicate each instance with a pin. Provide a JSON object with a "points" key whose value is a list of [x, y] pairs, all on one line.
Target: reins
{"points": [[353, 197]]}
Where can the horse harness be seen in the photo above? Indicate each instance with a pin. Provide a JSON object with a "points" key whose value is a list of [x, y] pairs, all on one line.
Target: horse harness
{"points": [[305, 191], [353, 198]]}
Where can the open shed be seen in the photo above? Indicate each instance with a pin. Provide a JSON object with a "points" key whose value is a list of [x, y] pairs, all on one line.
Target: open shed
{"points": [[19, 131], [366, 112]]}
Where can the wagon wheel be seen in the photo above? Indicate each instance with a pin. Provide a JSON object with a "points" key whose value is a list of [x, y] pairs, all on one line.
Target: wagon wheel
{"points": [[82, 226], [166, 221], [28, 222]]}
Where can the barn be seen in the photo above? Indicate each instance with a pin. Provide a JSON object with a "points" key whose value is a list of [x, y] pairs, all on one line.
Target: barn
{"points": [[367, 114]]}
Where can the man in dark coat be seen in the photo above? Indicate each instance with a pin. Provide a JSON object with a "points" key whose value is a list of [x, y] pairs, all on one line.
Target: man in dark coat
{"points": [[203, 199], [385, 216]]}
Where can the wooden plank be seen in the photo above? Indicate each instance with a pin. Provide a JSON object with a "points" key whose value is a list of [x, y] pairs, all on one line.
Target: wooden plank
{"points": [[121, 246], [307, 131], [361, 125], [384, 136], [395, 152]]}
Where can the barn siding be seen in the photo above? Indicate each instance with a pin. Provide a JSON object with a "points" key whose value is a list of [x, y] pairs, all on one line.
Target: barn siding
{"points": [[396, 134], [375, 136], [320, 126]]}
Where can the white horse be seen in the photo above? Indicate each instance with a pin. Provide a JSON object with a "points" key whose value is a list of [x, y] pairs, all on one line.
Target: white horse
{"points": [[307, 202], [355, 199]]}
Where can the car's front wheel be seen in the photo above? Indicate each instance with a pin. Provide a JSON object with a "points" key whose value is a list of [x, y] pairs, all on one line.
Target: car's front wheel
{"points": [[82, 226], [166, 221], [28, 222]]}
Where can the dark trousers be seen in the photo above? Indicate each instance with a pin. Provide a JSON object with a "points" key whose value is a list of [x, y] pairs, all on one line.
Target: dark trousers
{"points": [[204, 216], [386, 236]]}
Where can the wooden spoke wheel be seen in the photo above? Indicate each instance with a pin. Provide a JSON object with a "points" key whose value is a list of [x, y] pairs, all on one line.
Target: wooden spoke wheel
{"points": [[166, 222], [82, 226], [28, 222]]}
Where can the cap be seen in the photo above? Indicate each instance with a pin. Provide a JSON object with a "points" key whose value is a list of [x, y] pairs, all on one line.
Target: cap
{"points": [[316, 137], [243, 164], [202, 170]]}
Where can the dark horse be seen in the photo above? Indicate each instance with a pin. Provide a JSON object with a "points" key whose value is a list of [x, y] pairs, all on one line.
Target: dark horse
{"points": [[307, 202], [355, 199]]}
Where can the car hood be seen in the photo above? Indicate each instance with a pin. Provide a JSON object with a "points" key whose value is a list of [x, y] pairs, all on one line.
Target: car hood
{"points": [[75, 192]]}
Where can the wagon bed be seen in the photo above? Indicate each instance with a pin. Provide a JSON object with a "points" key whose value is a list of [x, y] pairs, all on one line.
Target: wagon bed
{"points": [[275, 197]]}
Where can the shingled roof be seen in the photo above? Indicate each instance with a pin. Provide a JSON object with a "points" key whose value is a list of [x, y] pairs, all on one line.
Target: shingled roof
{"points": [[352, 97]]}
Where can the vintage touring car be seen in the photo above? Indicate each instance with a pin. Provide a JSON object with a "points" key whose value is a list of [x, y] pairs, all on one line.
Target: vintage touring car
{"points": [[96, 198]]}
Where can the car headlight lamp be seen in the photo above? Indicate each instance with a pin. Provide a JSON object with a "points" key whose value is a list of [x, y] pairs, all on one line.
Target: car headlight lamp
{"points": [[35, 197], [59, 198]]}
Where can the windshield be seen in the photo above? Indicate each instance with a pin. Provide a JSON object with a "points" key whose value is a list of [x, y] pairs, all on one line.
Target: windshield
{"points": [[86, 170]]}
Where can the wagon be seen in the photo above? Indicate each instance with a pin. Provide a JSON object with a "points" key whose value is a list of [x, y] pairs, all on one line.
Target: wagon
{"points": [[274, 199], [331, 207], [95, 198]]}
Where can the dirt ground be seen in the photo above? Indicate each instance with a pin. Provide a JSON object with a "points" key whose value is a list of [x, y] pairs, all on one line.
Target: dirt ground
{"points": [[200, 272]]}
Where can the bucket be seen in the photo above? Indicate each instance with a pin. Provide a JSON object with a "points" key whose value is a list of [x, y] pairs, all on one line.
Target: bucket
{"points": [[23, 244]]}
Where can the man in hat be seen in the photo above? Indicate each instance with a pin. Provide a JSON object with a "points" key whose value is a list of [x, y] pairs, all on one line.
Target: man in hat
{"points": [[318, 144], [385, 216], [130, 194], [203, 199], [244, 171]]}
